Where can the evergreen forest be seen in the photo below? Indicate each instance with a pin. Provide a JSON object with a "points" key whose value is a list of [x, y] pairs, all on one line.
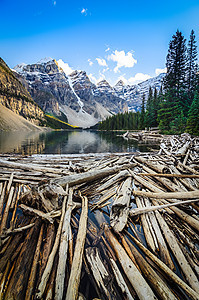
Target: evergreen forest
{"points": [[175, 108]]}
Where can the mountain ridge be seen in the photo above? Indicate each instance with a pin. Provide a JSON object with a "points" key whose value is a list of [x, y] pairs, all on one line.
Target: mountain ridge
{"points": [[75, 95]]}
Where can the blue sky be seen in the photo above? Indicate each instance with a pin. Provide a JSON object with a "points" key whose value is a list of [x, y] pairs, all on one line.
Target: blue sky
{"points": [[107, 39]]}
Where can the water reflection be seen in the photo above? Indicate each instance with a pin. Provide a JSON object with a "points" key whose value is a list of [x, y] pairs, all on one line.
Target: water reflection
{"points": [[64, 142]]}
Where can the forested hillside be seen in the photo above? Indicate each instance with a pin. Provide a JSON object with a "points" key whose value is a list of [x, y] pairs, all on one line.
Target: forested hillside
{"points": [[175, 109]]}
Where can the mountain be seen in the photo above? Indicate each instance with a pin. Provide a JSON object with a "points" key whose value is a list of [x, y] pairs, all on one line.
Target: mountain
{"points": [[15, 97], [74, 96], [132, 94]]}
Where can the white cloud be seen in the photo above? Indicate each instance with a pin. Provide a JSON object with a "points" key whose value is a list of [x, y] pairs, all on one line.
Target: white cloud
{"points": [[108, 49], [54, 3], [139, 77], [94, 79], [90, 62], [105, 70], [101, 62], [123, 60], [159, 71], [65, 67], [84, 11]]}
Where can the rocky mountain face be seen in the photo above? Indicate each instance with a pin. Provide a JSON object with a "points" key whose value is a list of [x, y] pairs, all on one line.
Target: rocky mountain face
{"points": [[15, 97], [81, 101], [132, 94]]}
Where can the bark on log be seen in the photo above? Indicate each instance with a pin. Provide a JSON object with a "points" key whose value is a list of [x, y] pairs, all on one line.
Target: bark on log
{"points": [[18, 282], [48, 244], [31, 281]]}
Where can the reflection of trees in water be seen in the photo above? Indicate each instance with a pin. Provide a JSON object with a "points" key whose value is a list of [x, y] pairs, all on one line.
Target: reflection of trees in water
{"points": [[63, 142], [25, 143]]}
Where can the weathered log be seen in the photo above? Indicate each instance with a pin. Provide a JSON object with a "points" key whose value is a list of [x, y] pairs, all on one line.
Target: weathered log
{"points": [[169, 175], [143, 210], [120, 207], [146, 183], [104, 198], [33, 211], [17, 230], [120, 281], [184, 216], [138, 282], [48, 244], [49, 265], [31, 281], [100, 273], [154, 280], [169, 273], [163, 195], [10, 183], [63, 249], [2, 199], [147, 232], [171, 240], [3, 280], [182, 151], [121, 175], [89, 176], [29, 167], [74, 279], [162, 247], [6, 211], [161, 168], [18, 282], [12, 222]]}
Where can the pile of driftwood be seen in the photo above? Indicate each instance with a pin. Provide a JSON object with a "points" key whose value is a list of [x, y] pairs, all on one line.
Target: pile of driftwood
{"points": [[145, 136], [114, 226]]}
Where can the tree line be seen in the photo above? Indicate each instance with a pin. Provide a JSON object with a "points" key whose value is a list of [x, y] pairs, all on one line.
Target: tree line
{"points": [[175, 108]]}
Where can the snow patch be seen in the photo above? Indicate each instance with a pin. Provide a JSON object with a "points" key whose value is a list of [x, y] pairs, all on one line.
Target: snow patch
{"points": [[81, 104]]}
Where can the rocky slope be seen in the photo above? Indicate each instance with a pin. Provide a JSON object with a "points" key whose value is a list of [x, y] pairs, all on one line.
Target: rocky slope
{"points": [[81, 101], [15, 97], [132, 94], [10, 121]]}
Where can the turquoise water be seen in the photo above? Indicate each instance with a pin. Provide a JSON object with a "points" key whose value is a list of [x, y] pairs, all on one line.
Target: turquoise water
{"points": [[65, 142]]}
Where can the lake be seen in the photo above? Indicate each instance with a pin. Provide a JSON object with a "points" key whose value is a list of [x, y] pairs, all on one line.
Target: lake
{"points": [[66, 142]]}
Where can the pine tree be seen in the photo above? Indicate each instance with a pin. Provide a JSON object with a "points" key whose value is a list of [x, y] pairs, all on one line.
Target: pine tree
{"points": [[149, 109], [176, 63], [142, 114], [191, 66], [173, 101], [193, 116]]}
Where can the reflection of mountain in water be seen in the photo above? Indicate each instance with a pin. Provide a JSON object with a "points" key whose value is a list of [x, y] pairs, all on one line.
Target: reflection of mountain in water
{"points": [[64, 142]]}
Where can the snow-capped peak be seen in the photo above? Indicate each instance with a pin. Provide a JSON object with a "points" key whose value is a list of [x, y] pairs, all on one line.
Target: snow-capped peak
{"points": [[45, 60]]}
